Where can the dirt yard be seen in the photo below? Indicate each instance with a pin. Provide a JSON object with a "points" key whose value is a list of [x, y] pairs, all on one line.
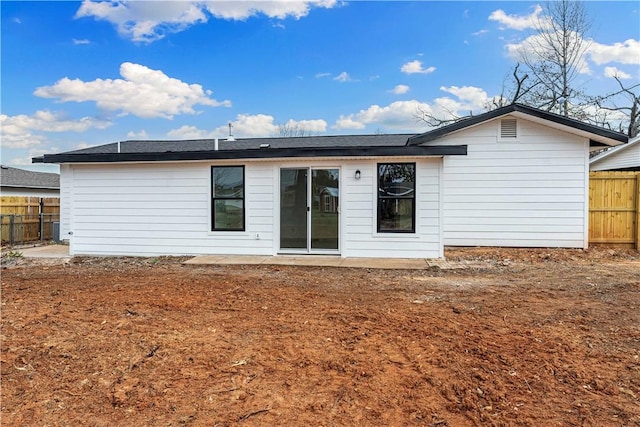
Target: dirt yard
{"points": [[537, 338]]}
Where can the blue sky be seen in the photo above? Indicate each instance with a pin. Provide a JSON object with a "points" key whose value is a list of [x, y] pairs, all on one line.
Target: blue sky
{"points": [[76, 74]]}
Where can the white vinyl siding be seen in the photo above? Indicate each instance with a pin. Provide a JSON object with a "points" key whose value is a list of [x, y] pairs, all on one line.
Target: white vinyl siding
{"points": [[162, 209], [362, 240], [155, 209], [532, 192], [623, 158], [66, 195]]}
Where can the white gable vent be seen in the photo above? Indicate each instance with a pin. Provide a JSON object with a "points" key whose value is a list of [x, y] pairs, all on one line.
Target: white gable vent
{"points": [[508, 128]]}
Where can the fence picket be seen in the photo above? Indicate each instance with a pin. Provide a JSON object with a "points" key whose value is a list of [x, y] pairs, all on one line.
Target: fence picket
{"points": [[25, 219], [614, 208]]}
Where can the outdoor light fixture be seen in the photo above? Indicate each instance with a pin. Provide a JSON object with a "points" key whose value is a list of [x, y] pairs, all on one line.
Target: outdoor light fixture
{"points": [[358, 174]]}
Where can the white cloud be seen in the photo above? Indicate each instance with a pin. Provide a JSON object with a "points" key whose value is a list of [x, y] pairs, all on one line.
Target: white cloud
{"points": [[532, 45], [401, 115], [17, 131], [251, 126], [343, 77], [614, 72], [148, 21], [313, 126], [241, 10], [516, 22], [480, 32], [400, 89], [192, 132], [321, 75], [16, 21], [26, 161], [415, 67], [349, 122], [248, 126], [137, 135], [80, 41], [142, 92], [469, 97], [398, 115], [627, 52]]}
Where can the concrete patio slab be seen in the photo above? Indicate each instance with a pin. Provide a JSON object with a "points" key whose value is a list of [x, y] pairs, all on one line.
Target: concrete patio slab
{"points": [[62, 252], [47, 251], [386, 263], [312, 260]]}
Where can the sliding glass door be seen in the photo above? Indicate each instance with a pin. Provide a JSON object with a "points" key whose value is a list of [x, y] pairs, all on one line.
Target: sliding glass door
{"points": [[309, 210]]}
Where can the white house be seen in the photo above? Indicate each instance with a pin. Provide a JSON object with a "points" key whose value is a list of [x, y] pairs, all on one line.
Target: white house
{"points": [[515, 176], [624, 157]]}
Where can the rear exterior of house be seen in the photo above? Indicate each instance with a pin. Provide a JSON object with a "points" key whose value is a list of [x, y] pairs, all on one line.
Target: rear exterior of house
{"points": [[515, 177], [349, 196], [165, 208]]}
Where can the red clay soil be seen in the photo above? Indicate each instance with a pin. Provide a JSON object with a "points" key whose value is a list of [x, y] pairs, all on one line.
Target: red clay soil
{"points": [[538, 338]]}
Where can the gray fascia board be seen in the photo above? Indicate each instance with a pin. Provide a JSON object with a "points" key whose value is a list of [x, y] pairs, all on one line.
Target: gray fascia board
{"points": [[265, 153]]}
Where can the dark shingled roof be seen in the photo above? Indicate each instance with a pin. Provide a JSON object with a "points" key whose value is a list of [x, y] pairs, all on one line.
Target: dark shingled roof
{"points": [[252, 148], [354, 141], [20, 178], [320, 146]]}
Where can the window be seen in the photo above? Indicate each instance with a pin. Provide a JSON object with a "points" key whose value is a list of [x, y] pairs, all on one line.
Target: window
{"points": [[396, 197], [227, 191]]}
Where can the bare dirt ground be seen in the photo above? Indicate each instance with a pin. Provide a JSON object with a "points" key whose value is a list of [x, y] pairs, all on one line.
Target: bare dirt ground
{"points": [[538, 338]]}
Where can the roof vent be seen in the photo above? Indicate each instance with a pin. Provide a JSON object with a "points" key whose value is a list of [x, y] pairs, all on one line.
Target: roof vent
{"points": [[508, 128], [231, 138]]}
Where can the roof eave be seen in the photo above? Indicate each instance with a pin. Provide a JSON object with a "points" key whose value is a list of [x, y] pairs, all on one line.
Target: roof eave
{"points": [[597, 136], [33, 187], [605, 154], [265, 153]]}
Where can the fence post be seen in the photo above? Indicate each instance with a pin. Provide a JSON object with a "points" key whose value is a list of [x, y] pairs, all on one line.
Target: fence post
{"points": [[11, 222], [638, 211], [41, 216]]}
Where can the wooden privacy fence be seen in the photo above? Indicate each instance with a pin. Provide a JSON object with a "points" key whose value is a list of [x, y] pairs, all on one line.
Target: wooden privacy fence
{"points": [[25, 219], [614, 208]]}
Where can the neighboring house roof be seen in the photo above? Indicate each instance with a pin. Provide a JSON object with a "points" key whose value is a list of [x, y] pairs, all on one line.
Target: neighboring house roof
{"points": [[597, 136], [249, 148], [331, 191], [620, 157], [20, 178]]}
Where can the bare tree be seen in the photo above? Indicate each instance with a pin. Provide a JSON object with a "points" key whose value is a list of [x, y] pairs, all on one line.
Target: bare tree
{"points": [[516, 86], [622, 108], [288, 130], [552, 59], [554, 56], [427, 117]]}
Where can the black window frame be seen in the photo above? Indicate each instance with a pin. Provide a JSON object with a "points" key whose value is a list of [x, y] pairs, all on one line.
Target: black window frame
{"points": [[380, 198], [214, 199]]}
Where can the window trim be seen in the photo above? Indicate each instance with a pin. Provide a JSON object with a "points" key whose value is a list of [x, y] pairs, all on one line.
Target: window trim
{"points": [[413, 198], [213, 201]]}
